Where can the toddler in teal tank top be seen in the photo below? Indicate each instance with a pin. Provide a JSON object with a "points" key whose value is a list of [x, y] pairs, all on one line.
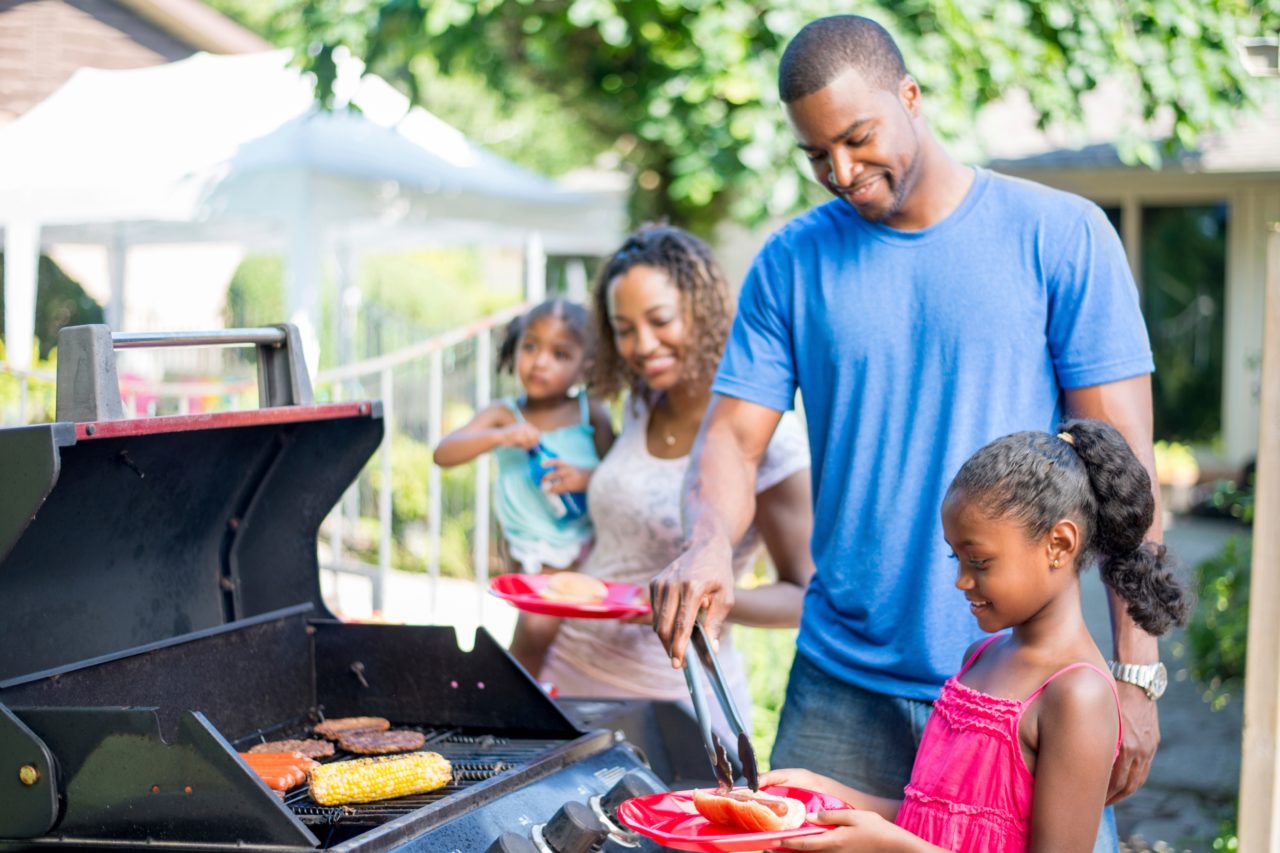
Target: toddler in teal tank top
{"points": [[548, 349]]}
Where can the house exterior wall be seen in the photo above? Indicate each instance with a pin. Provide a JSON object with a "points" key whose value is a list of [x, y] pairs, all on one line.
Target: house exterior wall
{"points": [[42, 42]]}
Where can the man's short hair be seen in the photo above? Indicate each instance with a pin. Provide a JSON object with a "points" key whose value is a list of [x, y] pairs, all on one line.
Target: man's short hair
{"points": [[825, 48]]}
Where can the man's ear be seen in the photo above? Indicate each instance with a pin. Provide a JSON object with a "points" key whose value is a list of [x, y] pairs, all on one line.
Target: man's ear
{"points": [[909, 95]]}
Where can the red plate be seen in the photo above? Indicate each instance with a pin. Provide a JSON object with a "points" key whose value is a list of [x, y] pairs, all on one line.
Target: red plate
{"points": [[523, 592], [672, 821]]}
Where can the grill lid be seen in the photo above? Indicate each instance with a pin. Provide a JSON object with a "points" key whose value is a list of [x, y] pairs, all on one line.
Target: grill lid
{"points": [[117, 534]]}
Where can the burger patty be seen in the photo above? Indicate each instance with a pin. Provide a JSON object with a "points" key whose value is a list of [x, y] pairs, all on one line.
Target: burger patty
{"points": [[311, 747], [381, 743], [333, 729]]}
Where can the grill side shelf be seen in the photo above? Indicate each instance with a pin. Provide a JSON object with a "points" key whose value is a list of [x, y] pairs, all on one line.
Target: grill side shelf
{"points": [[122, 782], [31, 460]]}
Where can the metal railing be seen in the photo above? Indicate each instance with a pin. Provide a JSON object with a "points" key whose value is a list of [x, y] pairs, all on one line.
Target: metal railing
{"points": [[419, 386]]}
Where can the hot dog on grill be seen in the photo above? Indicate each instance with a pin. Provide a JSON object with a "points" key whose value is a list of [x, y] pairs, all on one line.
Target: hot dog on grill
{"points": [[753, 811]]}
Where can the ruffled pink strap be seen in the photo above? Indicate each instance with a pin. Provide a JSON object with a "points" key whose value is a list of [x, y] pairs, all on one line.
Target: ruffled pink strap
{"points": [[988, 641]]}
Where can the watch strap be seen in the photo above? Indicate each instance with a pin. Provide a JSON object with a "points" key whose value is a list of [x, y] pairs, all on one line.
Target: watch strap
{"points": [[1138, 674]]}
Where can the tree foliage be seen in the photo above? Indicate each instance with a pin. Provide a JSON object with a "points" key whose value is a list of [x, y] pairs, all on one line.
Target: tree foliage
{"points": [[687, 87]]}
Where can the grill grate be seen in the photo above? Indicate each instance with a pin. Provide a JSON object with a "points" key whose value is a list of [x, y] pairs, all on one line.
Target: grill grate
{"points": [[476, 757]]}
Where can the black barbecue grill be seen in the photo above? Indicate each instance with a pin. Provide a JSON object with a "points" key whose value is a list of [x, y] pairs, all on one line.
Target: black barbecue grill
{"points": [[162, 611]]}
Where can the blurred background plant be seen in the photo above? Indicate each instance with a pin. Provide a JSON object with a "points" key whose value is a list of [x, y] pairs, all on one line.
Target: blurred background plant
{"points": [[1218, 631]]}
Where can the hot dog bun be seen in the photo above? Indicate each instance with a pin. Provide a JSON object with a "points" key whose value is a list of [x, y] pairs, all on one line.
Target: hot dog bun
{"points": [[575, 588], [753, 811]]}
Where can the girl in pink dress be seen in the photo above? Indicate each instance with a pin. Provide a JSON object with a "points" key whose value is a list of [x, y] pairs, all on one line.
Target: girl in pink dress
{"points": [[1018, 751]]}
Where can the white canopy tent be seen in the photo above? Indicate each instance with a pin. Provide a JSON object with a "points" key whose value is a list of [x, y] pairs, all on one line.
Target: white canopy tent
{"points": [[233, 148]]}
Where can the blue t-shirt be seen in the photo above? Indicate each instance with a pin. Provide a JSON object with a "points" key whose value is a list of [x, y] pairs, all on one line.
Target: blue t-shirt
{"points": [[912, 349]]}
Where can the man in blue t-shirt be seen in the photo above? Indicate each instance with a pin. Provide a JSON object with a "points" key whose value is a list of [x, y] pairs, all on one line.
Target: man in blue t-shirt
{"points": [[929, 309]]}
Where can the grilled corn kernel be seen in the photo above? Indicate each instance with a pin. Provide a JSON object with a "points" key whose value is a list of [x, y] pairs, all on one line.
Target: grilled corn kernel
{"points": [[366, 780]]}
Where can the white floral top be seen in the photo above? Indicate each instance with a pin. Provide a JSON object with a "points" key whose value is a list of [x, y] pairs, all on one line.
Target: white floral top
{"points": [[634, 500]]}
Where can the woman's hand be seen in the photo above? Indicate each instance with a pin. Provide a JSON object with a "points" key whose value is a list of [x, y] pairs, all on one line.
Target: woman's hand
{"points": [[522, 434], [564, 477], [639, 618]]}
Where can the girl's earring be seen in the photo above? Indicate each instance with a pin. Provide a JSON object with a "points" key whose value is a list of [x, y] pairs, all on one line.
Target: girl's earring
{"points": [[1053, 564]]}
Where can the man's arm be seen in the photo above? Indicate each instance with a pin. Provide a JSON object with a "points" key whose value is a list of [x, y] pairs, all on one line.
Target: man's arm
{"points": [[719, 503], [1126, 405]]}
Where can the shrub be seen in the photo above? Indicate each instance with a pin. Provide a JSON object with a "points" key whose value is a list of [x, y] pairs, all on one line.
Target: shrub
{"points": [[60, 301], [41, 396], [1218, 632]]}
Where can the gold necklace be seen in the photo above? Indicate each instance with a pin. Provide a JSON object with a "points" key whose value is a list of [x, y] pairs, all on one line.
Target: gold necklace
{"points": [[668, 433], [665, 433]]}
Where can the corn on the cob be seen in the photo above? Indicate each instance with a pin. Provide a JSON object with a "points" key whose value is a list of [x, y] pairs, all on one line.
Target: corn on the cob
{"points": [[366, 780]]}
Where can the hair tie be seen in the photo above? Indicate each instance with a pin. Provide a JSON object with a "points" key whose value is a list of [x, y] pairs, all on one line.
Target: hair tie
{"points": [[1068, 438]]}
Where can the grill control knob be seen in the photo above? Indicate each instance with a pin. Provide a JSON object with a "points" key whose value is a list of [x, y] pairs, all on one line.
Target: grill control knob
{"points": [[632, 785], [509, 842], [574, 829]]}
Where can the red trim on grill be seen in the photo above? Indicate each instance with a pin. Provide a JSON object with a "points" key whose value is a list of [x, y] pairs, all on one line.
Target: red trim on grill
{"points": [[221, 420]]}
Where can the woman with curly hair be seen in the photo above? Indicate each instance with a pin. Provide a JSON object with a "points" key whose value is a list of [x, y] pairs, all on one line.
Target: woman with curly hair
{"points": [[662, 315]]}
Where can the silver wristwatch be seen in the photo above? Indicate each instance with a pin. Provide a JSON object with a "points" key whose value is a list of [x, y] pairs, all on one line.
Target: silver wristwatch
{"points": [[1151, 677]]}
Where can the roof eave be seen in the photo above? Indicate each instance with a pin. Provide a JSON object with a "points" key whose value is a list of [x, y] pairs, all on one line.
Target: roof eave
{"points": [[198, 25]]}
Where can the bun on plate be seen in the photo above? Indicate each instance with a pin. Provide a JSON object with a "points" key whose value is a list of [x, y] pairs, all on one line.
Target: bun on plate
{"points": [[753, 811], [575, 588]]}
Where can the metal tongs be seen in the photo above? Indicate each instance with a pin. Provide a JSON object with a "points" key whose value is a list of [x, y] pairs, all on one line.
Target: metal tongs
{"points": [[704, 660]]}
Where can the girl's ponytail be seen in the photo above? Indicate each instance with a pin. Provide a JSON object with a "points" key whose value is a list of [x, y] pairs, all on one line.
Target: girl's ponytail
{"points": [[1125, 508], [507, 349]]}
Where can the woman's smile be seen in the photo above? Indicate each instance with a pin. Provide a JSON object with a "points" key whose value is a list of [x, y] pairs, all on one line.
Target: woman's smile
{"points": [[655, 365]]}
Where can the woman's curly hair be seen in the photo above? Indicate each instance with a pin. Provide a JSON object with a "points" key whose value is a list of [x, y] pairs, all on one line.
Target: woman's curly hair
{"points": [[692, 268]]}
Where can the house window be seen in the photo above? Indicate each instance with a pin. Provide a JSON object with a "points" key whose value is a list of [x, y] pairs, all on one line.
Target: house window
{"points": [[1183, 252], [1113, 216]]}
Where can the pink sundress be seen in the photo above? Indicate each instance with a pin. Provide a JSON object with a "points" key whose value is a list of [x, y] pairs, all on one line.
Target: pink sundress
{"points": [[970, 789]]}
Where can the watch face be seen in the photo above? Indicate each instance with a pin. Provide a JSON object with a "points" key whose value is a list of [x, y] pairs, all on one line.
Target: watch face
{"points": [[1159, 681]]}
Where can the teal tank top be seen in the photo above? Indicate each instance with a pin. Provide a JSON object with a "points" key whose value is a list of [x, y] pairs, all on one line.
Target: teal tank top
{"points": [[519, 504]]}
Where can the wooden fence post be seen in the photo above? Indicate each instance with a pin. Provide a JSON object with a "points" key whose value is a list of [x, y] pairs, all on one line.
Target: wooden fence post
{"points": [[1259, 824]]}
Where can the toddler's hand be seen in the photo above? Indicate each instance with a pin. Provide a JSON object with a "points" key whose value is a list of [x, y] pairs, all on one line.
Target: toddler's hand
{"points": [[523, 435], [564, 477]]}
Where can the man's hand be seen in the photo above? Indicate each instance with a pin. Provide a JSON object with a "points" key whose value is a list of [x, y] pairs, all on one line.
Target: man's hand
{"points": [[700, 578], [1140, 737]]}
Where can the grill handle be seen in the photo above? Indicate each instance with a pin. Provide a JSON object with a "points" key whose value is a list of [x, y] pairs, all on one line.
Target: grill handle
{"points": [[89, 388]]}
